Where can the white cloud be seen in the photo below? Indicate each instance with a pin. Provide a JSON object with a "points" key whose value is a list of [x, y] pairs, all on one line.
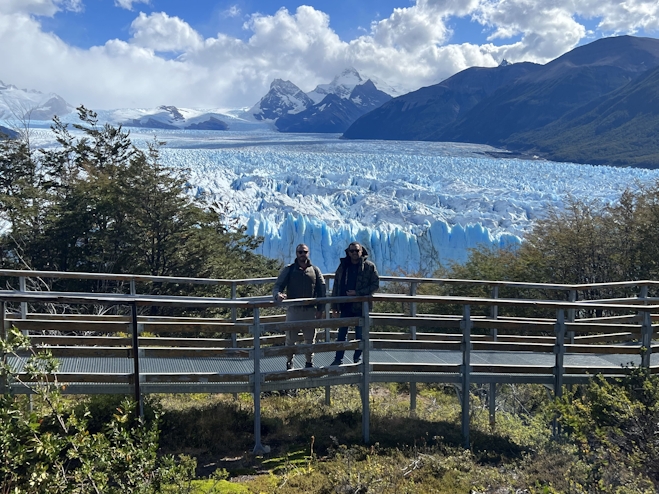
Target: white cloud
{"points": [[409, 48], [233, 11], [46, 8], [128, 4], [160, 32]]}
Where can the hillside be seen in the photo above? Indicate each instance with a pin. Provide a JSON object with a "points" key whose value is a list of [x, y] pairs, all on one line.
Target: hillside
{"points": [[538, 99], [420, 114], [618, 129], [538, 108]]}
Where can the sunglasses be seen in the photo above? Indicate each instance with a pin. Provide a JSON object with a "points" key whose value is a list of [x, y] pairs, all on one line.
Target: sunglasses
{"points": [[302, 251], [353, 250]]}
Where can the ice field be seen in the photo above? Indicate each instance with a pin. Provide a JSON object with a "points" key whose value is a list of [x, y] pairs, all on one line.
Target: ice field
{"points": [[412, 204]]}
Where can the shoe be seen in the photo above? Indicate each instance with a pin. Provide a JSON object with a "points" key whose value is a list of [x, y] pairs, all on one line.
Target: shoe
{"points": [[336, 362], [358, 360], [289, 364], [308, 365]]}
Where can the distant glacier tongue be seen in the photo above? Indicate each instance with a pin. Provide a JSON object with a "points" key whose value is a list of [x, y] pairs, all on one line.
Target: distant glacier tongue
{"points": [[413, 205]]}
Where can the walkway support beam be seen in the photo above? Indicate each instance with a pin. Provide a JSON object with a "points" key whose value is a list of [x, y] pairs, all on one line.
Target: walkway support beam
{"points": [[413, 287], [366, 363], [3, 333], [465, 326], [259, 449], [646, 339], [559, 352], [134, 327], [492, 395]]}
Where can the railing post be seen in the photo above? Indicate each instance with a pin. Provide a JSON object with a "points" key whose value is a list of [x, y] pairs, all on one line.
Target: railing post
{"points": [[646, 329], [559, 352], [413, 287], [646, 339], [328, 389], [465, 326], [571, 315], [22, 287], [3, 329], [492, 395], [366, 360], [234, 319], [234, 314], [136, 360], [259, 449]]}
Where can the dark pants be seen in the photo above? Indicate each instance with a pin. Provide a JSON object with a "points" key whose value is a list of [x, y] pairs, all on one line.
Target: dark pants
{"points": [[343, 333]]}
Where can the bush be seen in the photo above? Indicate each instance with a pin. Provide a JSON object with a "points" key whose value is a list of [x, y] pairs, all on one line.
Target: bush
{"points": [[53, 450]]}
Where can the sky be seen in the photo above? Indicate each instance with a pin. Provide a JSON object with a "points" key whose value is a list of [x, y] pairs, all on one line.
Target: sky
{"points": [[109, 54]]}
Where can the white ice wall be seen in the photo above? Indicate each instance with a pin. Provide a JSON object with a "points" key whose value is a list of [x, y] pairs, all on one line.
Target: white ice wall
{"points": [[392, 249]]}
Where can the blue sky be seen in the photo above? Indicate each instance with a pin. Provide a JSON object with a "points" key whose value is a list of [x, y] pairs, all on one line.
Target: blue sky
{"points": [[224, 54], [101, 20]]}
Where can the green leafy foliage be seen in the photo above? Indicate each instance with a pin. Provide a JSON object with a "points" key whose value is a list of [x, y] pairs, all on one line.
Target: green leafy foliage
{"points": [[97, 203], [586, 242], [53, 450], [615, 423]]}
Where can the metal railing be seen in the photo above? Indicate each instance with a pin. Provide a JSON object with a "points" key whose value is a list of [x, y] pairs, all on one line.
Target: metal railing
{"points": [[626, 331]]}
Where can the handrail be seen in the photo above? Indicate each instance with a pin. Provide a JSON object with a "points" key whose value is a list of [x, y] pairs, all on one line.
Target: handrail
{"points": [[261, 302], [248, 281], [610, 331]]}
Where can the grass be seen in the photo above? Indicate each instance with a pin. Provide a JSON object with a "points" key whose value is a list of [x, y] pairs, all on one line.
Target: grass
{"points": [[318, 448]]}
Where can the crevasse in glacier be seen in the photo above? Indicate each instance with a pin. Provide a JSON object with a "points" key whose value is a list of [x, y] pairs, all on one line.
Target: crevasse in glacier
{"points": [[393, 249], [414, 205]]}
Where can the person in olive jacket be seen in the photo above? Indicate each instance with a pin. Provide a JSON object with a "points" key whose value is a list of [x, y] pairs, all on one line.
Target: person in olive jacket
{"points": [[300, 280], [355, 276]]}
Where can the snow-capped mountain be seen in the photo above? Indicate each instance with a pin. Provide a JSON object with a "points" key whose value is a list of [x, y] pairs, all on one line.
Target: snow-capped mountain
{"points": [[22, 104], [329, 107], [335, 113], [169, 117], [283, 98], [342, 85]]}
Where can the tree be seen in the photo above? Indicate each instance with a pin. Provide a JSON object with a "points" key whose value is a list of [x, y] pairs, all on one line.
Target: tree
{"points": [[99, 204]]}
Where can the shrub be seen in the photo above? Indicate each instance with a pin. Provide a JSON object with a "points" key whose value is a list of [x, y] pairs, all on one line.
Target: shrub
{"points": [[53, 449]]}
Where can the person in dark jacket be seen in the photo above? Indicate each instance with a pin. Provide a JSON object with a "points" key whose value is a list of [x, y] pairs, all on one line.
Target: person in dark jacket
{"points": [[355, 276], [300, 280]]}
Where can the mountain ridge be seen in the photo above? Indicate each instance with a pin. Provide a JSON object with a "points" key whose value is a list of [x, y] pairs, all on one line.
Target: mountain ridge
{"points": [[513, 114]]}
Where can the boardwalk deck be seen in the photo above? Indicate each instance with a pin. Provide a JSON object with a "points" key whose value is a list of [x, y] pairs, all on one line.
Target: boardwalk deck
{"points": [[108, 354]]}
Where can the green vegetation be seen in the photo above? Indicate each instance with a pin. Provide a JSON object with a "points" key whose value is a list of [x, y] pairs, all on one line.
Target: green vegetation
{"points": [[617, 129], [99, 204], [57, 448], [201, 443]]}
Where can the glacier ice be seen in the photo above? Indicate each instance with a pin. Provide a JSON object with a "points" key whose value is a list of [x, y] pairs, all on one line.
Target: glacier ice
{"points": [[414, 205]]}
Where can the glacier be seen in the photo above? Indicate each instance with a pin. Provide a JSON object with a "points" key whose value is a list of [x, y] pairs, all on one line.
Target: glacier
{"points": [[413, 205]]}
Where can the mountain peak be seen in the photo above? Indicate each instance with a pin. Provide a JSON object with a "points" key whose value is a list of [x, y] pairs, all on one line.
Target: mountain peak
{"points": [[284, 86], [342, 85], [284, 97], [30, 104]]}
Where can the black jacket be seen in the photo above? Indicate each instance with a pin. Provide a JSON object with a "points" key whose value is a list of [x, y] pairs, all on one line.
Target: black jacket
{"points": [[368, 280]]}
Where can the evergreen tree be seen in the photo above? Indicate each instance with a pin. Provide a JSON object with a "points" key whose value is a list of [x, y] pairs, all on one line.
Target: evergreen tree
{"points": [[97, 203]]}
